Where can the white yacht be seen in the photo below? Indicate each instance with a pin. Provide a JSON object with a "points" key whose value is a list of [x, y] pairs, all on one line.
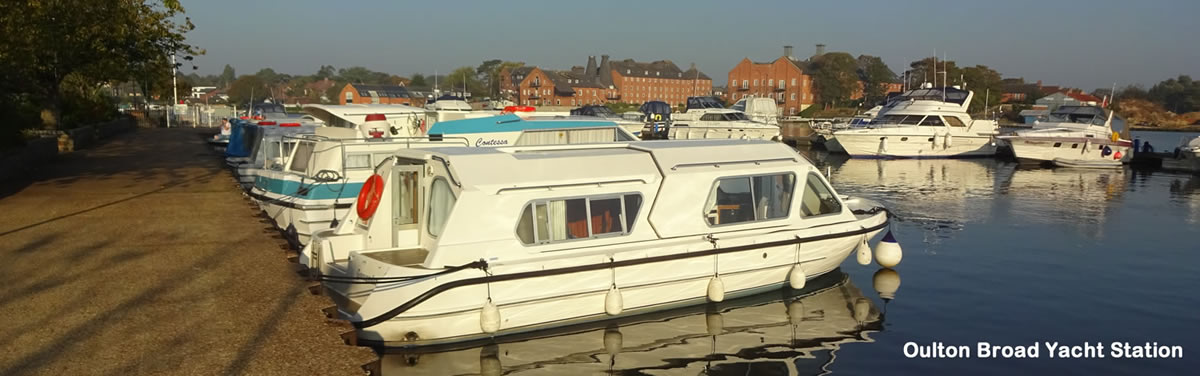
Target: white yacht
{"points": [[1072, 135], [1186, 157], [705, 118], [447, 108], [762, 110], [459, 244], [271, 150], [923, 123]]}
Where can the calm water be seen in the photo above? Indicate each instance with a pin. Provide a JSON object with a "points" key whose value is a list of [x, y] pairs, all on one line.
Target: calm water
{"points": [[993, 252]]}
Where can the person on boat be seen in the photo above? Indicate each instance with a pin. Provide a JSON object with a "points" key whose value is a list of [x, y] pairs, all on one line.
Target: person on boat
{"points": [[1146, 148], [226, 128]]}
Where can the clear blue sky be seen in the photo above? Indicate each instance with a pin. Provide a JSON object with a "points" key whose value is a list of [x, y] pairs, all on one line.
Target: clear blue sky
{"points": [[1088, 44]]}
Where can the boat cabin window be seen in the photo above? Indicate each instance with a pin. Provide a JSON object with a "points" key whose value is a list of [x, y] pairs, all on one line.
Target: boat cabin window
{"points": [[932, 121], [900, 119], [551, 221], [358, 161], [712, 117], [818, 199], [304, 151], [954, 121], [441, 201], [750, 198]]}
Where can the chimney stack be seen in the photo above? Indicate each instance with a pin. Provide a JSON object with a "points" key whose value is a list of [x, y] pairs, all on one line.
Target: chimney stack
{"points": [[605, 73], [591, 67], [820, 49], [787, 52]]}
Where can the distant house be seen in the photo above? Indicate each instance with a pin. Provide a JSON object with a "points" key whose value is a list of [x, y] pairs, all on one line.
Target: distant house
{"points": [[377, 94], [199, 91], [625, 81], [1067, 98]]}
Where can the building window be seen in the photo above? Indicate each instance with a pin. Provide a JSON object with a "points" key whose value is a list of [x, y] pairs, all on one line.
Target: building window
{"points": [[793, 82], [745, 85], [793, 96], [755, 83], [750, 198], [349, 97], [771, 82]]}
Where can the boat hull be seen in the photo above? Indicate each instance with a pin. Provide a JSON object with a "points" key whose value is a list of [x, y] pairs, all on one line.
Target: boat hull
{"points": [[1047, 149], [684, 132], [868, 145], [533, 296]]}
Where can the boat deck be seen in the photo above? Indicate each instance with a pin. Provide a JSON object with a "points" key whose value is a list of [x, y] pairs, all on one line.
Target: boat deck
{"points": [[140, 256]]}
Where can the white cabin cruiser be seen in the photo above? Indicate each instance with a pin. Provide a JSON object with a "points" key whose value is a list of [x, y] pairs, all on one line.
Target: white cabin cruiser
{"points": [[1186, 157], [272, 148], [705, 118], [447, 108], [762, 110], [403, 121], [450, 244], [923, 123], [1074, 136], [327, 169]]}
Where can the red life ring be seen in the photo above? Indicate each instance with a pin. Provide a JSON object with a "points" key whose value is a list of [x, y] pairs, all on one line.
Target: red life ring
{"points": [[422, 125], [369, 196]]}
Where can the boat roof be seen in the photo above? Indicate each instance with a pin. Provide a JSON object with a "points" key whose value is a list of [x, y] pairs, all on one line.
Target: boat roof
{"points": [[513, 123], [356, 113], [492, 169], [952, 95], [1079, 110]]}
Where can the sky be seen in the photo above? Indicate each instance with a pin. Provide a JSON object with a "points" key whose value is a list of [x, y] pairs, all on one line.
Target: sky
{"points": [[1083, 43]]}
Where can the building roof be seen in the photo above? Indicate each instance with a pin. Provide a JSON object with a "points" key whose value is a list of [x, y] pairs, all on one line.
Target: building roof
{"points": [[1042, 112], [1083, 97], [656, 69], [383, 91]]}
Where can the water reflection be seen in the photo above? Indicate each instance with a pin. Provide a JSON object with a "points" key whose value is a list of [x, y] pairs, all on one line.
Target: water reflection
{"points": [[782, 332], [1186, 190]]}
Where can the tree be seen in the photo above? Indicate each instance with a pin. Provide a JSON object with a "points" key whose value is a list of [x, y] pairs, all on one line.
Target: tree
{"points": [[465, 76], [1178, 95], [227, 76], [985, 82], [418, 80], [360, 75], [248, 88], [42, 43], [835, 77], [876, 76], [326, 71]]}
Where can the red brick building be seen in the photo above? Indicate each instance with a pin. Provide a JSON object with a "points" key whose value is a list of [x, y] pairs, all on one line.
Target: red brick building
{"points": [[785, 80], [624, 81], [378, 94]]}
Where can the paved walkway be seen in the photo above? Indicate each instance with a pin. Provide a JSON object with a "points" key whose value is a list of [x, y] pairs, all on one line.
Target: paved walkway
{"points": [[140, 256]]}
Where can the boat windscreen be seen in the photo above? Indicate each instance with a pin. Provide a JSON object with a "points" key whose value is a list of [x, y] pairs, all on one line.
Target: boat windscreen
{"points": [[703, 102], [736, 116]]}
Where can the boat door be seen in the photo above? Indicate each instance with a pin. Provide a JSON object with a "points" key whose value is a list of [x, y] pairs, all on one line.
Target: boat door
{"points": [[407, 205]]}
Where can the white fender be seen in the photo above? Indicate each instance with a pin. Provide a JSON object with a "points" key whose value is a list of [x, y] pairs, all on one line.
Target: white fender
{"points": [[888, 252], [796, 277], [949, 141], [863, 252], [937, 141], [716, 289], [489, 317], [489, 364], [883, 145], [613, 304]]}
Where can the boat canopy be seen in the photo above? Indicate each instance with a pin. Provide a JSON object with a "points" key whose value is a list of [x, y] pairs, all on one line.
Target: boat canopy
{"points": [[595, 110], [1079, 114], [703, 102], [951, 95], [649, 109], [350, 115]]}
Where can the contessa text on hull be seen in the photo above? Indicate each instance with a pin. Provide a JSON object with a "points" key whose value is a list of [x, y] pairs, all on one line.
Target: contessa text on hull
{"points": [[449, 245]]}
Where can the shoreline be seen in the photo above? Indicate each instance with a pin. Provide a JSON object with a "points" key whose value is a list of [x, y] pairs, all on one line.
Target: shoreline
{"points": [[1185, 129]]}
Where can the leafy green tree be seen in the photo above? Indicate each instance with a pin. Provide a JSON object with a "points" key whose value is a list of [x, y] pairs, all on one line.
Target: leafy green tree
{"points": [[326, 71], [985, 82], [875, 75], [227, 76], [1178, 95], [361, 75], [249, 88], [464, 77], [42, 43], [418, 80], [835, 77]]}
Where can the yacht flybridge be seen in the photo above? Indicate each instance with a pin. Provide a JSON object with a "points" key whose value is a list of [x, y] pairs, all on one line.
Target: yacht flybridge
{"points": [[455, 244], [1072, 135], [706, 118], [923, 123]]}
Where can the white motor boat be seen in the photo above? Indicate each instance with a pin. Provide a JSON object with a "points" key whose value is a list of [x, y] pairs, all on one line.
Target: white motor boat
{"points": [[1075, 135], [272, 148], [923, 123], [630, 125], [1186, 157], [448, 108], [719, 123], [403, 121], [762, 110], [327, 169], [459, 244]]}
